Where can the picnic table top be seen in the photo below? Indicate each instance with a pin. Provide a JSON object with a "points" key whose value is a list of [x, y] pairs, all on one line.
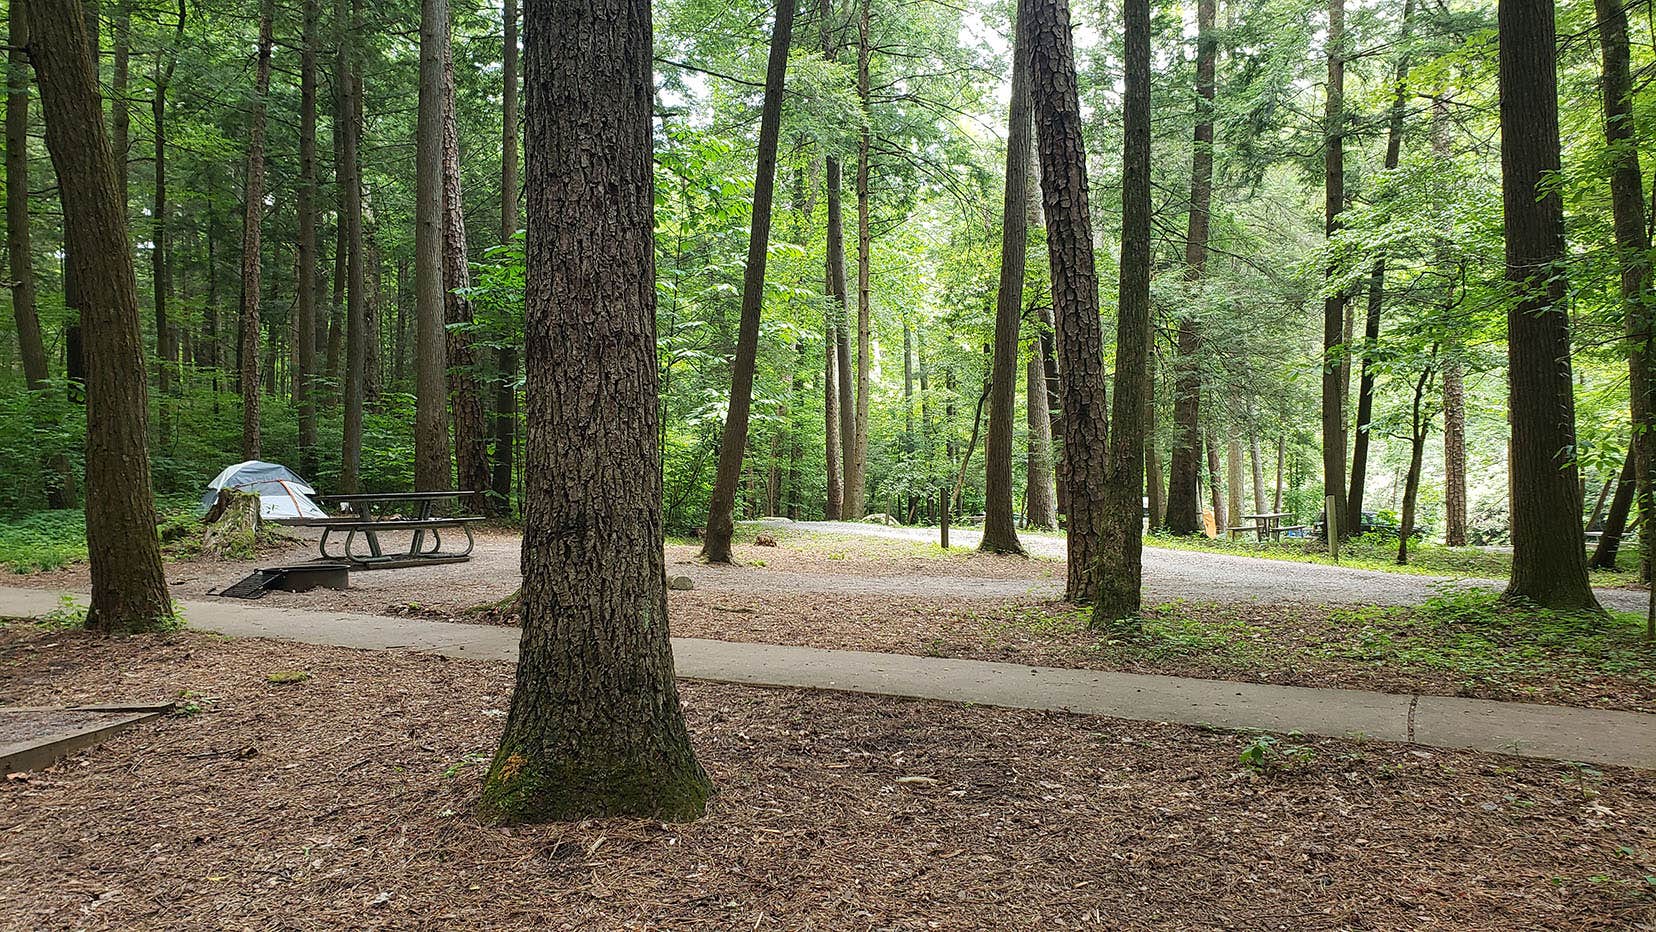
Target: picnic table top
{"points": [[391, 496], [1272, 514]]}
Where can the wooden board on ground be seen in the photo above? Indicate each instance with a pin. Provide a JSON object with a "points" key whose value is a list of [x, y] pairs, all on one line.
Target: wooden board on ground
{"points": [[34, 737]]}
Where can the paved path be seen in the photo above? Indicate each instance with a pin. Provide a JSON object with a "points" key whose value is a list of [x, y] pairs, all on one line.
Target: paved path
{"points": [[1175, 574], [1548, 732]]}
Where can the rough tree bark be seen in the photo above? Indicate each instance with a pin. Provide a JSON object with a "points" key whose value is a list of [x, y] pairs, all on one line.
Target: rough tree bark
{"points": [[1334, 341], [166, 348], [1233, 481], [1042, 510], [431, 435], [1549, 567], [506, 356], [129, 592], [1184, 507], [1121, 544], [304, 376], [471, 442], [1454, 389], [1000, 529], [252, 223], [1074, 286], [25, 310], [595, 727], [856, 472], [1377, 290], [721, 511], [1627, 207], [348, 176]]}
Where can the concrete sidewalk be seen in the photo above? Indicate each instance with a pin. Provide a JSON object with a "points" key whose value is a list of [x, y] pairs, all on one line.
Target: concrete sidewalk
{"points": [[1524, 729]]}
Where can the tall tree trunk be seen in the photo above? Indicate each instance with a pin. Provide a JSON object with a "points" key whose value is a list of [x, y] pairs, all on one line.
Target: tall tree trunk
{"points": [[1120, 554], [830, 422], [595, 727], [721, 513], [471, 443], [1042, 510], [506, 357], [120, 102], [1074, 286], [25, 311], [1419, 424], [1000, 530], [304, 376], [856, 473], [252, 220], [1054, 385], [1184, 508], [129, 592], [1377, 290], [166, 352], [348, 174], [1258, 468], [1633, 246], [1334, 305], [1549, 567], [431, 435], [1155, 483], [1615, 523], [1233, 482]]}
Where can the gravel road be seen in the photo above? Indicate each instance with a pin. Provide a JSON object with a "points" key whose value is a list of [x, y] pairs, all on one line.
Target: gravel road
{"points": [[1168, 574]]}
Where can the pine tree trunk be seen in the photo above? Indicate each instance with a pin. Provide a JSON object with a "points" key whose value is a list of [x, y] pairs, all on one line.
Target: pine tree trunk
{"points": [[1615, 523], [129, 592], [304, 376], [471, 444], [1633, 245], [1184, 509], [358, 334], [1549, 567], [1042, 510], [1334, 306], [252, 222], [595, 727], [1377, 290], [1000, 531], [25, 310], [1258, 469], [166, 349], [120, 103], [431, 435], [721, 514], [1216, 485], [856, 473], [1120, 554], [1083, 470], [506, 357], [1233, 482]]}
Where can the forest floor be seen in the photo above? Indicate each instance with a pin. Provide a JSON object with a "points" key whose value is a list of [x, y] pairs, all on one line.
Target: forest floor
{"points": [[326, 787], [1208, 615]]}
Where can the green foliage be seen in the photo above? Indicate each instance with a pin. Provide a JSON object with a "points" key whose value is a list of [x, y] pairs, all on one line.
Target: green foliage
{"points": [[1265, 754], [43, 541]]}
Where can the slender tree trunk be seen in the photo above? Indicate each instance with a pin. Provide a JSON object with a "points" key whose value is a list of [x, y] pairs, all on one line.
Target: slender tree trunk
{"points": [[431, 436], [1042, 510], [348, 173], [1419, 424], [1334, 305], [506, 357], [1549, 567], [1054, 386], [471, 445], [1615, 523], [1216, 485], [1000, 530], [830, 426], [1633, 245], [1258, 469], [252, 221], [120, 102], [1233, 482], [18, 247], [1120, 554], [721, 514], [129, 592], [856, 474], [166, 352], [1184, 509], [1276, 499], [304, 376], [1074, 287], [595, 727], [1377, 291]]}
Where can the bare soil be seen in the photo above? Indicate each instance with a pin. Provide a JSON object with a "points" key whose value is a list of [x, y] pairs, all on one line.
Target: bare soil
{"points": [[343, 800]]}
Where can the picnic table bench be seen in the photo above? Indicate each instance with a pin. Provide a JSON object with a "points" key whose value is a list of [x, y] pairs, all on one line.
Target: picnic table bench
{"points": [[371, 514], [1266, 526]]}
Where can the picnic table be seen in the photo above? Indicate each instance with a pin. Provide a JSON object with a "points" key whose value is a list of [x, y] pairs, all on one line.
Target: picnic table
{"points": [[1267, 526], [368, 515]]}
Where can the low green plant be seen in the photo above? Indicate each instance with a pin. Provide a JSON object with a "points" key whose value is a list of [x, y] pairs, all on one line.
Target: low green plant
{"points": [[69, 615], [1265, 753]]}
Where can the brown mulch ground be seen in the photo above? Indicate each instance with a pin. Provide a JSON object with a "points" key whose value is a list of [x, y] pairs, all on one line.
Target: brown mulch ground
{"points": [[342, 800]]}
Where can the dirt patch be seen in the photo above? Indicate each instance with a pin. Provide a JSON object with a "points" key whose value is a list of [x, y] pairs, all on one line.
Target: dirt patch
{"points": [[344, 801]]}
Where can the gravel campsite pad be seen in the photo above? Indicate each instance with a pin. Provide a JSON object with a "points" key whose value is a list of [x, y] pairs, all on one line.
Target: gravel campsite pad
{"points": [[343, 795]]}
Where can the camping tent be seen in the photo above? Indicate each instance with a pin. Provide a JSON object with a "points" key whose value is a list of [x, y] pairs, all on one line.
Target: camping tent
{"points": [[282, 494]]}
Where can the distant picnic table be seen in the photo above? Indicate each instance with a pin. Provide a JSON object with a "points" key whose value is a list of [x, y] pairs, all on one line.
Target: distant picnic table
{"points": [[1266, 526], [368, 515]]}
